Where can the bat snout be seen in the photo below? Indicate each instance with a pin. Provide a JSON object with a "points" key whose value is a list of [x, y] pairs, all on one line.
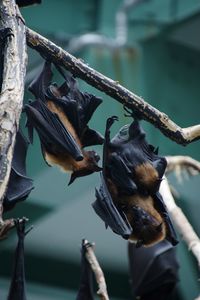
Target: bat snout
{"points": [[79, 157]]}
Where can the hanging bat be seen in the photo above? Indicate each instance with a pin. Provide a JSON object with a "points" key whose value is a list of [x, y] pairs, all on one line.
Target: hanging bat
{"points": [[17, 289], [60, 116], [85, 291], [22, 3], [128, 200], [19, 185], [153, 271]]}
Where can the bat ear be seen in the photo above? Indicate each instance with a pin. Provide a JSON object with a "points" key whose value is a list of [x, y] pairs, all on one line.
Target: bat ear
{"points": [[79, 173], [83, 172], [72, 178]]}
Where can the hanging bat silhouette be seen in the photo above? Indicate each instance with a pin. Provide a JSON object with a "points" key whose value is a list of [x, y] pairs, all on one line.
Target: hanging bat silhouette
{"points": [[128, 200], [19, 185], [154, 271], [17, 289], [85, 291], [60, 116], [23, 3]]}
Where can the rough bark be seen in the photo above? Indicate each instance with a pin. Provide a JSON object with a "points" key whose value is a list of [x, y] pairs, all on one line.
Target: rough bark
{"points": [[112, 88], [100, 279], [12, 92]]}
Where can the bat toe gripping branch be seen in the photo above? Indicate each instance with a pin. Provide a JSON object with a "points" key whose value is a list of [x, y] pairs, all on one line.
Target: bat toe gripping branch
{"points": [[110, 122], [5, 33], [20, 225], [130, 113]]}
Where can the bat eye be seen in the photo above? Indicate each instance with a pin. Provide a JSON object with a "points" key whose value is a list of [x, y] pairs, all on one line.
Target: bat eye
{"points": [[159, 227], [96, 157]]}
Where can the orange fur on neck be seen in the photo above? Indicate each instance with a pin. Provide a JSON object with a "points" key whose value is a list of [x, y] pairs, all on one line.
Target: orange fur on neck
{"points": [[146, 174], [66, 162]]}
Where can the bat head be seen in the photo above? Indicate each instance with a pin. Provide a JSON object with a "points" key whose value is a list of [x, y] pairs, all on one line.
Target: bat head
{"points": [[92, 157], [147, 230], [90, 166]]}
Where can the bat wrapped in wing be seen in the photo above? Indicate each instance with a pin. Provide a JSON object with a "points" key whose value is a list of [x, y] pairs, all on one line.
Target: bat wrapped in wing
{"points": [[153, 271], [17, 289], [60, 116], [128, 200], [19, 185]]}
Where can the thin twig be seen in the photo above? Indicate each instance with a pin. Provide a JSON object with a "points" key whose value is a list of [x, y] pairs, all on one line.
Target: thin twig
{"points": [[100, 279], [112, 88], [182, 224], [12, 92]]}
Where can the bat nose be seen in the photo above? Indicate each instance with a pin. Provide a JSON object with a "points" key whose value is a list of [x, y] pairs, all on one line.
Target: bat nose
{"points": [[79, 157]]}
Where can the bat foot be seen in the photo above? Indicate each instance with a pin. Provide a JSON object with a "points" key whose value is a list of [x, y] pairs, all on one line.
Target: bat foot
{"points": [[110, 121], [139, 244], [131, 113], [5, 33], [20, 225]]}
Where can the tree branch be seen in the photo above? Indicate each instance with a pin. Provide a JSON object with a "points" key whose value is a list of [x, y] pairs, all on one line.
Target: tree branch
{"points": [[192, 166], [90, 255], [76, 66], [180, 163], [182, 224], [12, 92]]}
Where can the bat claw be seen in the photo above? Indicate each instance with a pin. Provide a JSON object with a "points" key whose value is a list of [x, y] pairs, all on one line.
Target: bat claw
{"points": [[139, 244], [20, 225], [110, 121], [5, 33]]}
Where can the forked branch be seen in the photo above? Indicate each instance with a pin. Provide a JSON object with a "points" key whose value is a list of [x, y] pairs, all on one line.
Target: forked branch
{"points": [[112, 88], [183, 163]]}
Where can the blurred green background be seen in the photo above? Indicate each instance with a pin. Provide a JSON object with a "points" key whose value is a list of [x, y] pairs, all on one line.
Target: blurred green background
{"points": [[157, 56]]}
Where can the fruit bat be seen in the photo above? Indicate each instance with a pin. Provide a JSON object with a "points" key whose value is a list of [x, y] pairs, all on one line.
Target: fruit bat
{"points": [[128, 200], [153, 271], [17, 287], [19, 185], [85, 291], [60, 116]]}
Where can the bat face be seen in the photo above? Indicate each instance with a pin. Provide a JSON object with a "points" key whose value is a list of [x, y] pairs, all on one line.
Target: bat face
{"points": [[147, 223], [60, 116], [129, 200]]}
